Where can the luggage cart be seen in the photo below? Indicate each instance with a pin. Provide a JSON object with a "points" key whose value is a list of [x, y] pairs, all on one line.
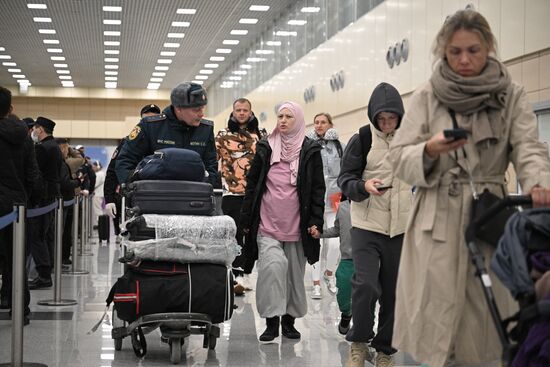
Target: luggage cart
{"points": [[174, 328]]}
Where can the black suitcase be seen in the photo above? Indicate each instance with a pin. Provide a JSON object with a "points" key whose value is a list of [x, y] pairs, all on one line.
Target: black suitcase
{"points": [[199, 288], [103, 229], [171, 197]]}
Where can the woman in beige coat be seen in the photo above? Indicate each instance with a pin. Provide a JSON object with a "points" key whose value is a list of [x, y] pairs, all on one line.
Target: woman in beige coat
{"points": [[441, 316]]}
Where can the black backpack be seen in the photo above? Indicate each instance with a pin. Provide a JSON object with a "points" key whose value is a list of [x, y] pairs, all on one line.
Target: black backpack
{"points": [[365, 136]]}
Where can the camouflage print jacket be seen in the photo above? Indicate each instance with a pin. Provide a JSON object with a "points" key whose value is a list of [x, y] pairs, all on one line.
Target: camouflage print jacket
{"points": [[235, 153]]}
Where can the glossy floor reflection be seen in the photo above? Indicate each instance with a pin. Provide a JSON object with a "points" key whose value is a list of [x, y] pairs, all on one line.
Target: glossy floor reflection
{"points": [[60, 336]]}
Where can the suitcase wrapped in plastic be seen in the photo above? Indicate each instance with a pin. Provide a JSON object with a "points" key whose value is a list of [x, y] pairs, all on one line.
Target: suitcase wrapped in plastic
{"points": [[181, 238], [155, 288], [170, 197]]}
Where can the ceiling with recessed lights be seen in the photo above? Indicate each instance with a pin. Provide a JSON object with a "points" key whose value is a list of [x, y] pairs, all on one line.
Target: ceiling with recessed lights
{"points": [[133, 44]]}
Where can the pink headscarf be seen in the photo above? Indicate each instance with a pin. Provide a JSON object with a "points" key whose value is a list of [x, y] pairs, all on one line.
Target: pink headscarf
{"points": [[287, 147]]}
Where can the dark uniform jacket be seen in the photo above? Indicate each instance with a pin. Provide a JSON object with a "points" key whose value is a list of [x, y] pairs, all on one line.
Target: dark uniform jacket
{"points": [[49, 158], [111, 180], [19, 174], [67, 183], [166, 131], [311, 193]]}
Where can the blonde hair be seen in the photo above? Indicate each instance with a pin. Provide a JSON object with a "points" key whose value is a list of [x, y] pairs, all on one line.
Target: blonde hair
{"points": [[327, 115], [469, 20]]}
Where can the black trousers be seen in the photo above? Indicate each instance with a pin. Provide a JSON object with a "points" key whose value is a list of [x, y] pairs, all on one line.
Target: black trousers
{"points": [[376, 261], [41, 238], [6, 251], [231, 205], [67, 232]]}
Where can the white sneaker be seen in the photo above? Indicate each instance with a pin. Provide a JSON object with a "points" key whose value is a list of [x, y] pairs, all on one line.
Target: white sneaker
{"points": [[330, 282], [316, 292]]}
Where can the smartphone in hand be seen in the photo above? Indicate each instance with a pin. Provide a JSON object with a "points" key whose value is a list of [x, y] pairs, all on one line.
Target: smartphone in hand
{"points": [[383, 187], [455, 134]]}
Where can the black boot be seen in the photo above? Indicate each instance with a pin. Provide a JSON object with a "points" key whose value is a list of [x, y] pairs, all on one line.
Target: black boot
{"points": [[272, 330], [288, 329]]}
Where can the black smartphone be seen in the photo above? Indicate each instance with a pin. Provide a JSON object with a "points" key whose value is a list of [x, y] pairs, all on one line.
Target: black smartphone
{"points": [[383, 187], [455, 134]]}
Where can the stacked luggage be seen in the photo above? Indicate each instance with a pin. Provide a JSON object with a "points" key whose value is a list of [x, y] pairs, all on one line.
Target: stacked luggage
{"points": [[178, 254]]}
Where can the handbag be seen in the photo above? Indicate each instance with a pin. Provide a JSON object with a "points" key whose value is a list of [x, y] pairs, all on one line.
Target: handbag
{"points": [[171, 164]]}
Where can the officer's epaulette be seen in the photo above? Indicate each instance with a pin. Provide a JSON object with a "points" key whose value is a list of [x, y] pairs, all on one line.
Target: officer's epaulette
{"points": [[207, 122], [154, 118]]}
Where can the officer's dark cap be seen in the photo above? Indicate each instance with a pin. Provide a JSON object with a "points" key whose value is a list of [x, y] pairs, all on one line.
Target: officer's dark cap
{"points": [[188, 95], [150, 108], [47, 124], [29, 121]]}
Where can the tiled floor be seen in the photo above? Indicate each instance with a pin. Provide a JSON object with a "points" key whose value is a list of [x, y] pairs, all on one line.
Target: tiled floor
{"points": [[60, 336]]}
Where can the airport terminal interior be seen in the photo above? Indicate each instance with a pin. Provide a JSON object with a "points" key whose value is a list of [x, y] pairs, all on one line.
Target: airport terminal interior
{"points": [[91, 66]]}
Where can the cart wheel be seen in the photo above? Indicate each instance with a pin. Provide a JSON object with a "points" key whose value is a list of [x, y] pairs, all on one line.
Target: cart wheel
{"points": [[175, 350], [212, 340], [118, 343]]}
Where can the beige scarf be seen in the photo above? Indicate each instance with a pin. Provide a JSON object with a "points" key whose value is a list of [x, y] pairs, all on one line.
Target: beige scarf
{"points": [[478, 99]]}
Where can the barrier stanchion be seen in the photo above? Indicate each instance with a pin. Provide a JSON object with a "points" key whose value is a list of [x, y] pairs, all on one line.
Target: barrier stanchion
{"points": [[57, 301], [89, 214], [18, 292], [74, 250], [84, 229]]}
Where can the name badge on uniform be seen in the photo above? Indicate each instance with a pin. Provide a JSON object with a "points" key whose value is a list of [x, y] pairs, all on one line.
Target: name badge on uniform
{"points": [[197, 144], [170, 142]]}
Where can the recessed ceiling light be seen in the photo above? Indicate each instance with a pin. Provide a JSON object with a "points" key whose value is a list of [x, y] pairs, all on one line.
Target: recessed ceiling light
{"points": [[156, 73], [111, 52], [203, 77], [246, 66], [46, 31], [19, 76], [171, 45], [164, 61], [217, 58], [110, 85], [57, 58], [67, 84], [60, 66], [205, 71], [175, 35], [286, 33], [5, 57], [248, 20], [273, 43], [239, 32], [259, 8], [240, 72], [54, 50], [63, 71], [111, 78], [223, 51], [158, 80], [162, 68], [14, 70], [235, 78], [212, 66], [65, 77], [2, 49], [153, 86], [180, 24], [112, 21], [167, 53], [37, 6], [111, 33], [108, 72], [296, 22], [42, 20], [227, 85], [111, 59], [186, 11], [51, 42], [230, 42], [23, 81], [264, 52], [310, 9], [255, 59], [112, 8], [111, 43], [200, 82], [8, 63], [111, 66]]}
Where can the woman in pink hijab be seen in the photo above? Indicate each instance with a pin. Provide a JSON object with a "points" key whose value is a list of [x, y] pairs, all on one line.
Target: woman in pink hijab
{"points": [[284, 202]]}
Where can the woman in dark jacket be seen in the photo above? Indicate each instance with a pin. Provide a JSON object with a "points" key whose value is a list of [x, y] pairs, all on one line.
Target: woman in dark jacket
{"points": [[284, 202]]}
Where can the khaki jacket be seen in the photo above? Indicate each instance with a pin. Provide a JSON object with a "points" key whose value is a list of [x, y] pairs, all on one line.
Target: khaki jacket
{"points": [[386, 214], [440, 308]]}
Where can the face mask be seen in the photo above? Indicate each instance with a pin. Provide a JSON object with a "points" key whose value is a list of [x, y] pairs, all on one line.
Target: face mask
{"points": [[34, 136]]}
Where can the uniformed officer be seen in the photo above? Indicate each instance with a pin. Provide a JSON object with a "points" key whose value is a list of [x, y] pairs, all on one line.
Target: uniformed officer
{"points": [[181, 125]]}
